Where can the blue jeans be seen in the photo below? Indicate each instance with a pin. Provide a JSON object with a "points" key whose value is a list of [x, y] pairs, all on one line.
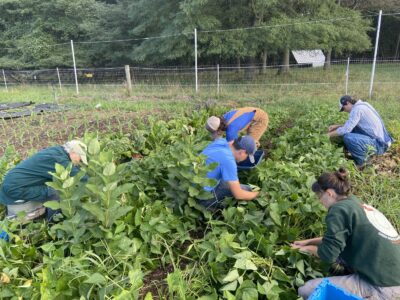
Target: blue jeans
{"points": [[220, 192], [361, 146]]}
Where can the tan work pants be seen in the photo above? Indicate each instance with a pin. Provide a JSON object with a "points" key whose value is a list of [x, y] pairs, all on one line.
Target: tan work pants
{"points": [[257, 126]]}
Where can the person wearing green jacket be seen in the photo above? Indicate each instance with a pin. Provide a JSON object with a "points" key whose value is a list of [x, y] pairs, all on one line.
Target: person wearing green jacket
{"points": [[360, 236], [24, 187]]}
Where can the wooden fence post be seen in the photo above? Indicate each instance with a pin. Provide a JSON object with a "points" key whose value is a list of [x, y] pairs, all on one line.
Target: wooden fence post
{"points": [[128, 79]]}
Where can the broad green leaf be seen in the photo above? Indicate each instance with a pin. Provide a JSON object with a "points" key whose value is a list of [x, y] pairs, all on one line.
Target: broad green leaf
{"points": [[136, 244], [110, 186], [148, 296], [279, 275], [64, 174], [94, 147], [136, 278], [232, 275], [243, 254], [96, 278], [245, 264], [68, 183], [230, 286], [48, 247], [300, 266], [109, 169], [95, 210], [275, 217], [249, 294], [229, 296], [59, 169], [54, 205]]}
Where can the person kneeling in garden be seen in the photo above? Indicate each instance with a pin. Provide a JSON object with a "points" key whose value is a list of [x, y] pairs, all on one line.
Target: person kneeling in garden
{"points": [[253, 120], [24, 187], [227, 155], [360, 236], [364, 133]]}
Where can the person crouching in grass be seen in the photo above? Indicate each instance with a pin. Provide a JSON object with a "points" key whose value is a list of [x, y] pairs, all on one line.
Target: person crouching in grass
{"points": [[357, 234], [24, 187], [364, 133]]}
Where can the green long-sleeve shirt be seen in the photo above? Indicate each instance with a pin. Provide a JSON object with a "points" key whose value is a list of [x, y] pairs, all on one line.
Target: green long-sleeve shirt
{"points": [[364, 239], [27, 180]]}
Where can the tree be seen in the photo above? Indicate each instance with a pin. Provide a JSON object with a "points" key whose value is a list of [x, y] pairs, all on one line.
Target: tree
{"points": [[30, 28]]}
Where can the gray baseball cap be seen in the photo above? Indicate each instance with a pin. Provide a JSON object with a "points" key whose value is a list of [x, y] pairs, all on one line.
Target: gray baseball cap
{"points": [[343, 101], [248, 144]]}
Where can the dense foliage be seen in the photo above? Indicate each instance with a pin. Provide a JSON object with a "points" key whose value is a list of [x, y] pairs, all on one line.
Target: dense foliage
{"points": [[36, 33], [136, 218]]}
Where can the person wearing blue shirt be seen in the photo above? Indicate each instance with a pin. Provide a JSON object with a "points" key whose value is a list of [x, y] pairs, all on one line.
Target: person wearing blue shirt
{"points": [[364, 132], [253, 120], [227, 155]]}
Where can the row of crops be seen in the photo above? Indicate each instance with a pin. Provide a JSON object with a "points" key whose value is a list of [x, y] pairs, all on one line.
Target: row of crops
{"points": [[135, 230]]}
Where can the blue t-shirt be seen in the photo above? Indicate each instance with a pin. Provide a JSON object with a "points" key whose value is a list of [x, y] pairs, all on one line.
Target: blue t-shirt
{"points": [[219, 151], [238, 124]]}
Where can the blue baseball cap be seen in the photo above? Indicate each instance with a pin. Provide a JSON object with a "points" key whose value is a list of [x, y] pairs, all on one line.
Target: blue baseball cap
{"points": [[248, 144], [343, 101]]}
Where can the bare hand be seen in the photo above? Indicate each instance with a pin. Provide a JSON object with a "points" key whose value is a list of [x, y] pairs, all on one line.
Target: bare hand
{"points": [[300, 243]]}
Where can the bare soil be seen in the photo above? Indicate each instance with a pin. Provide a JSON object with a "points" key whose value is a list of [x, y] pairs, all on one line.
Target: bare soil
{"points": [[388, 163], [37, 132]]}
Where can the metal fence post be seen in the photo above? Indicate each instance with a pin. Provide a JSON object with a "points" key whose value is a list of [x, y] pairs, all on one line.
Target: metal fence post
{"points": [[195, 60], [375, 54], [5, 81], [347, 75], [75, 73], [218, 79], [59, 79]]}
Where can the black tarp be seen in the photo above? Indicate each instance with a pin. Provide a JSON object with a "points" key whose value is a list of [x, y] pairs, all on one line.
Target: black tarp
{"points": [[13, 105], [35, 110]]}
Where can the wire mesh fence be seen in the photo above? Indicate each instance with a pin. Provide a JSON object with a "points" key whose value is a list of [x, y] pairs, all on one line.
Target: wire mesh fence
{"points": [[340, 75], [295, 76]]}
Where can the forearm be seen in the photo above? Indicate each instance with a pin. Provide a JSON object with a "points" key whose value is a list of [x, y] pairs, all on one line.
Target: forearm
{"points": [[314, 241], [245, 195]]}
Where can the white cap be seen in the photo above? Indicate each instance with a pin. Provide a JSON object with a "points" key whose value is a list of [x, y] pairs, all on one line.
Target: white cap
{"points": [[77, 147], [213, 123]]}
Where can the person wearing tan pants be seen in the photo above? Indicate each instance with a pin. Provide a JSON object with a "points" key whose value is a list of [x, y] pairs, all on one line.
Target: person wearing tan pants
{"points": [[253, 120]]}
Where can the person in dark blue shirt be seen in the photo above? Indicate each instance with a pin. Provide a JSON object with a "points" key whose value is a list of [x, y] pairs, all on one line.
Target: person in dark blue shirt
{"points": [[250, 119]]}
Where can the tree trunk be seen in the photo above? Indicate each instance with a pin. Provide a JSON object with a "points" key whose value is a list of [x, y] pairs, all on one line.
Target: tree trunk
{"points": [[250, 72], [327, 64], [285, 62], [238, 64], [264, 61]]}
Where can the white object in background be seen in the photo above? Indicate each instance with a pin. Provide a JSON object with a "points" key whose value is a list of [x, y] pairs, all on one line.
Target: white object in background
{"points": [[314, 57], [98, 105], [5, 81], [195, 60], [75, 73], [378, 30], [59, 79]]}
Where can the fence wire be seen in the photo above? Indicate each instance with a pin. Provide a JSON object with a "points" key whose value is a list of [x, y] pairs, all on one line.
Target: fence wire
{"points": [[387, 72]]}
